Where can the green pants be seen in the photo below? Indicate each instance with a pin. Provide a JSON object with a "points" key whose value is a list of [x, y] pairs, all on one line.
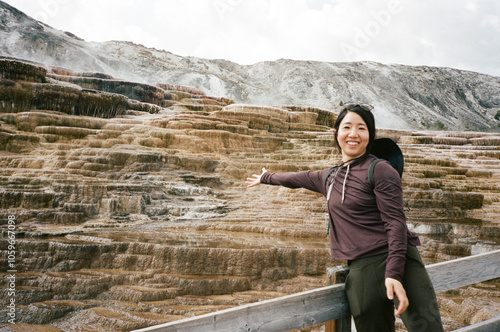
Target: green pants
{"points": [[373, 311]]}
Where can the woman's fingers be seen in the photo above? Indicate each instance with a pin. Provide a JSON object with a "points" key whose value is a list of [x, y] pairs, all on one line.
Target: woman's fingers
{"points": [[254, 180], [394, 286]]}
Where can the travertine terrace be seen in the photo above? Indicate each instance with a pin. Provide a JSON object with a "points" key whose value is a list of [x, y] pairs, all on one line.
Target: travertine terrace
{"points": [[131, 208]]}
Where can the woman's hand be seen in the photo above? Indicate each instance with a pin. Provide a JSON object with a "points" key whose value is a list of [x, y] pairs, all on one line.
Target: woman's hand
{"points": [[394, 286], [254, 180]]}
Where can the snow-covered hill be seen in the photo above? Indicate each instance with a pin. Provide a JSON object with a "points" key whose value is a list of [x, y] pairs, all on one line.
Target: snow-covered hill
{"points": [[405, 97]]}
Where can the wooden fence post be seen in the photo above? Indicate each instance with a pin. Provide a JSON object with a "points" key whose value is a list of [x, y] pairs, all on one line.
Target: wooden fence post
{"points": [[337, 275]]}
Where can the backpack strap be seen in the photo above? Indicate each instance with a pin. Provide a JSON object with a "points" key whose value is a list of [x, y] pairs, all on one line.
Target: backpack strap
{"points": [[333, 170], [370, 171], [329, 173]]}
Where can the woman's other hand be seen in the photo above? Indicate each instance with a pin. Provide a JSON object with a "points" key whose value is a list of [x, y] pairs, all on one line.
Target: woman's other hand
{"points": [[394, 286], [254, 180]]}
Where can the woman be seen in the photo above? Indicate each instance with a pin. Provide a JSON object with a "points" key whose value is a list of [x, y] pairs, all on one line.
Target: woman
{"points": [[368, 229]]}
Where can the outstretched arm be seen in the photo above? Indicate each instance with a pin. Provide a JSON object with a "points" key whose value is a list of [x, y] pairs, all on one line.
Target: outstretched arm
{"points": [[254, 180], [312, 180]]}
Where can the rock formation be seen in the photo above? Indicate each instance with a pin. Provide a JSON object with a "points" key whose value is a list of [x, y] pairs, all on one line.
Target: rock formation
{"points": [[131, 208], [406, 97]]}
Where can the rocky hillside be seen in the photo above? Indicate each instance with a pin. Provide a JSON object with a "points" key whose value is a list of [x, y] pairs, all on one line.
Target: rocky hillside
{"points": [[131, 209], [405, 97]]}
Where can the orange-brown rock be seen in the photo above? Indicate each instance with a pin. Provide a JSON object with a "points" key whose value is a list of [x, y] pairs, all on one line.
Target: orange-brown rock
{"points": [[131, 208]]}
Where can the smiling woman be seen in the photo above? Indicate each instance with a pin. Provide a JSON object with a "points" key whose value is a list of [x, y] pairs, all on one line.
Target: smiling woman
{"points": [[354, 130], [368, 229], [352, 137]]}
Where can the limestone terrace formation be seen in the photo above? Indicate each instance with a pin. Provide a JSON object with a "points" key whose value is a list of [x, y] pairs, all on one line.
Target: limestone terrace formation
{"points": [[131, 208]]}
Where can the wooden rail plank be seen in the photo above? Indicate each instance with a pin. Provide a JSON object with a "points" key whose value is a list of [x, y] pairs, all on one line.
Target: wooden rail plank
{"points": [[464, 271], [489, 325], [282, 314], [323, 304]]}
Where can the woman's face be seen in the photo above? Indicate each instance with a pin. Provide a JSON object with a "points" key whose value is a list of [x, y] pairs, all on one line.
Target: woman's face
{"points": [[353, 136]]}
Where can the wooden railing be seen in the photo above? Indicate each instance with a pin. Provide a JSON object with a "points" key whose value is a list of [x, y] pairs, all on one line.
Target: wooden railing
{"points": [[330, 303]]}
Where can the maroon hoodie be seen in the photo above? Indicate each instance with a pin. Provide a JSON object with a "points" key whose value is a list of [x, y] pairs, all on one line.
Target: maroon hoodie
{"points": [[364, 222]]}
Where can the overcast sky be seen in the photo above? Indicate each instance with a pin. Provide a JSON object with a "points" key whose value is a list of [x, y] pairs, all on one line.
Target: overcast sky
{"points": [[463, 34]]}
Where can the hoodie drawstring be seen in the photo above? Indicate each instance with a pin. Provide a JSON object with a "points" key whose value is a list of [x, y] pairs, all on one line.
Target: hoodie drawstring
{"points": [[331, 187], [333, 180], [343, 186], [331, 183]]}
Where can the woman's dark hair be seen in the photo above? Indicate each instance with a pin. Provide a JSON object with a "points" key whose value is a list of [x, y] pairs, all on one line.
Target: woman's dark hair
{"points": [[367, 117]]}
